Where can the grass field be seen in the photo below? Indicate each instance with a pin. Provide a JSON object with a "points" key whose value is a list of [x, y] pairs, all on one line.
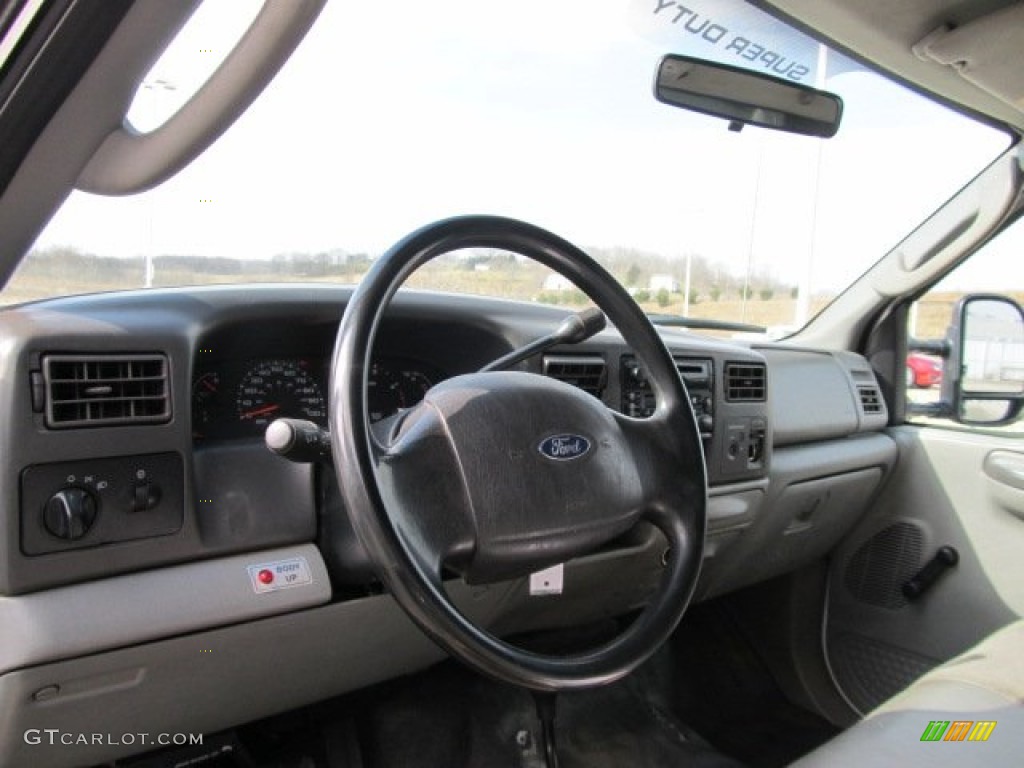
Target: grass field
{"points": [[519, 281]]}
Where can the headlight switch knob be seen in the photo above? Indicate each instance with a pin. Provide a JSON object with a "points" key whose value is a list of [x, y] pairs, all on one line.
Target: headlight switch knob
{"points": [[70, 513]]}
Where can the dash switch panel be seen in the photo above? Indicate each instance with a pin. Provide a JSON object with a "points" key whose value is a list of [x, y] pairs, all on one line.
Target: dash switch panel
{"points": [[80, 504]]}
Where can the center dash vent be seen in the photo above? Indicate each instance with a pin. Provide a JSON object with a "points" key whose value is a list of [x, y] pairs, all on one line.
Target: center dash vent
{"points": [[745, 382], [870, 399], [586, 372], [105, 390]]}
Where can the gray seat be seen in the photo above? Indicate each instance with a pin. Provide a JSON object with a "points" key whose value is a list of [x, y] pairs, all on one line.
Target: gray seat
{"points": [[984, 684]]}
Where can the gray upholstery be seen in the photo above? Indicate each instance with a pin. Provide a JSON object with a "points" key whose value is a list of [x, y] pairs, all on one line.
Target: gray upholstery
{"points": [[984, 683]]}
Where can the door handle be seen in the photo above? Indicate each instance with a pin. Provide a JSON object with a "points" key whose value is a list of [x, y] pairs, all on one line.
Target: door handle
{"points": [[1005, 473], [1006, 467]]}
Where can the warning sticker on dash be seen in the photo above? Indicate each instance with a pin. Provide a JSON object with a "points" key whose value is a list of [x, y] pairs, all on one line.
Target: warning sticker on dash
{"points": [[548, 581], [280, 574]]}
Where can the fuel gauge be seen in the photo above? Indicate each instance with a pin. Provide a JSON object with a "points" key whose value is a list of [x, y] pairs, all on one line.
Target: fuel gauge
{"points": [[206, 402]]}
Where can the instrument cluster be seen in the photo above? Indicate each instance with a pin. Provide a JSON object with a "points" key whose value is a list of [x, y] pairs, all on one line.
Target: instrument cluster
{"points": [[236, 399]]}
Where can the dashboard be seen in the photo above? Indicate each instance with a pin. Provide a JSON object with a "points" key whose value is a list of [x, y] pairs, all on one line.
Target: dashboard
{"points": [[181, 473], [134, 475]]}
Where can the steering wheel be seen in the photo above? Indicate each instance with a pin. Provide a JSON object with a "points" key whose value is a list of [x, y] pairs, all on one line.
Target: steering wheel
{"points": [[497, 475]]}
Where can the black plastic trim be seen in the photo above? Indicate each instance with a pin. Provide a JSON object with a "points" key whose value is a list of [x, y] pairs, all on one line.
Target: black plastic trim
{"points": [[49, 62]]}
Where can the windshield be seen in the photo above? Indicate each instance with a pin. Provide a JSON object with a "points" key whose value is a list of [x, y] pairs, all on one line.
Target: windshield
{"points": [[392, 115]]}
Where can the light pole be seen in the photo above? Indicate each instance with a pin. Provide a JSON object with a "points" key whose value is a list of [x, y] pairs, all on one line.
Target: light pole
{"points": [[802, 310], [156, 88], [686, 289]]}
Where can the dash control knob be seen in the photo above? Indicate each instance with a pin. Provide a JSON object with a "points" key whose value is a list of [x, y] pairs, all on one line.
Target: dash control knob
{"points": [[70, 513]]}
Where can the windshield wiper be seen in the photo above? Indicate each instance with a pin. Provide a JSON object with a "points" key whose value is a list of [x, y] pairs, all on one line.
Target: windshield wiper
{"points": [[678, 321]]}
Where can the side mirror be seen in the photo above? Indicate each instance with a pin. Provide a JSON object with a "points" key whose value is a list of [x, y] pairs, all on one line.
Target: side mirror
{"points": [[983, 379], [746, 98]]}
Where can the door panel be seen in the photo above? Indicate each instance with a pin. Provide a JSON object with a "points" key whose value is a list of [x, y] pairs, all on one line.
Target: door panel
{"points": [[950, 488]]}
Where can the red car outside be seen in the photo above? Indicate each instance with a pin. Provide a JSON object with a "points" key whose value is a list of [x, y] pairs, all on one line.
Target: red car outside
{"points": [[923, 371]]}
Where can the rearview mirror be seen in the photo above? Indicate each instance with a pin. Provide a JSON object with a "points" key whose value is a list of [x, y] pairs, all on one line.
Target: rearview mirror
{"points": [[746, 98]]}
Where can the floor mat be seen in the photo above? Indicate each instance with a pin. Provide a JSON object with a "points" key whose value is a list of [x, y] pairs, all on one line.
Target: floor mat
{"points": [[725, 691], [450, 716]]}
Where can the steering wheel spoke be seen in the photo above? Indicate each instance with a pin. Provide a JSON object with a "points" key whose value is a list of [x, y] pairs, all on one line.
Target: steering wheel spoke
{"points": [[670, 463], [423, 491]]}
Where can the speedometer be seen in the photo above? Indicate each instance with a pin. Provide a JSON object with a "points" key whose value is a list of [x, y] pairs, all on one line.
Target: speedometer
{"points": [[271, 389]]}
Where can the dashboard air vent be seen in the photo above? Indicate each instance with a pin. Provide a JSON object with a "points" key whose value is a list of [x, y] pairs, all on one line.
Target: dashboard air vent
{"points": [[745, 382], [105, 390], [870, 399], [586, 372]]}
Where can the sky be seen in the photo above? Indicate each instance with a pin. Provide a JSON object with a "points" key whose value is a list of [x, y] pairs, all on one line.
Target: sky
{"points": [[391, 115]]}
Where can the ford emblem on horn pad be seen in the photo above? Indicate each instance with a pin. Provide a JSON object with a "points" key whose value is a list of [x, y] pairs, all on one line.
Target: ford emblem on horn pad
{"points": [[564, 447]]}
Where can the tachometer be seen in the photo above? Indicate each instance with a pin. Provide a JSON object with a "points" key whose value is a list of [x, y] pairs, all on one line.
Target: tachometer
{"points": [[392, 386], [271, 389]]}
